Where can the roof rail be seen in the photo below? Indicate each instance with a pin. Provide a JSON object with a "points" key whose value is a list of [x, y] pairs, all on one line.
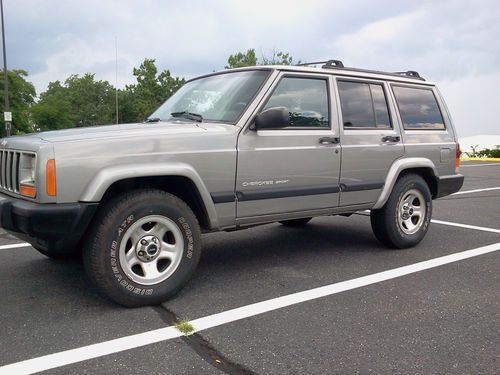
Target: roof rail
{"points": [[409, 73], [337, 64], [327, 64]]}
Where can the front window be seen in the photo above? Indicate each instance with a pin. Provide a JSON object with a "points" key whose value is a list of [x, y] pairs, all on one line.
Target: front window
{"points": [[217, 98]]}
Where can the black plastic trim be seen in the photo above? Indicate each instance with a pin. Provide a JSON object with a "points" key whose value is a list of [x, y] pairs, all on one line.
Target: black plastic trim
{"points": [[273, 193], [360, 186], [449, 185], [223, 197], [46, 225]]}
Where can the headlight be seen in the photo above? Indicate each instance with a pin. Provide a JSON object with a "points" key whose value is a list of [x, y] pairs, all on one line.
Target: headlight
{"points": [[27, 175]]}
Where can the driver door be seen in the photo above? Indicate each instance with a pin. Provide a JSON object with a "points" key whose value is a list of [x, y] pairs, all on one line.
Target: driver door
{"points": [[292, 169]]}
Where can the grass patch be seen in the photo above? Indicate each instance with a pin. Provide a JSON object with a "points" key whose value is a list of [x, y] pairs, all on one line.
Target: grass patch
{"points": [[185, 327]]}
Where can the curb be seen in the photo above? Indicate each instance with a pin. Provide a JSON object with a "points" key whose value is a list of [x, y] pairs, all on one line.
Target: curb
{"points": [[480, 159]]}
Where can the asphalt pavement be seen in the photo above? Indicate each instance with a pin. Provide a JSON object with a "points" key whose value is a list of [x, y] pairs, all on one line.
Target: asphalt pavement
{"points": [[440, 320]]}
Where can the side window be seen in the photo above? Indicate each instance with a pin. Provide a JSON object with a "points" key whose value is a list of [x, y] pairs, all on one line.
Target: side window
{"points": [[419, 108], [363, 105], [306, 100]]}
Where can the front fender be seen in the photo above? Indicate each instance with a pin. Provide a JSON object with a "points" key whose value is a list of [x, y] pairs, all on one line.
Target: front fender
{"points": [[107, 176]]}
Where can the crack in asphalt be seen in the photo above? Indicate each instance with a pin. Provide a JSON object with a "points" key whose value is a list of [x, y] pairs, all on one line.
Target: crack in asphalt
{"points": [[203, 348]]}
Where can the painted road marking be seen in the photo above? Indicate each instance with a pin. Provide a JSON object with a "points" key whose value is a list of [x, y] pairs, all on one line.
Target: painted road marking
{"points": [[14, 245], [476, 190], [484, 229], [71, 356]]}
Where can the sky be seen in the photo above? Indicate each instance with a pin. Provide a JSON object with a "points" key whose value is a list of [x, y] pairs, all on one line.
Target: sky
{"points": [[453, 43]]}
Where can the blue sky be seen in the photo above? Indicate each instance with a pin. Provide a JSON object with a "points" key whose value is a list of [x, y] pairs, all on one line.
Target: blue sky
{"points": [[454, 43]]}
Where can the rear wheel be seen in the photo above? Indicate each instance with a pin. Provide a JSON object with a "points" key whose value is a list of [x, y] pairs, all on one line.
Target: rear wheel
{"points": [[296, 222], [404, 219], [144, 247]]}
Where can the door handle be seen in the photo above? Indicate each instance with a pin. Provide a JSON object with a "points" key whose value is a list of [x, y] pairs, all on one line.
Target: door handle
{"points": [[391, 139], [329, 140]]}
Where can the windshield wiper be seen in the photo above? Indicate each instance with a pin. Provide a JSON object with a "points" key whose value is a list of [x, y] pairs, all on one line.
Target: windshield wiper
{"points": [[188, 115], [153, 119]]}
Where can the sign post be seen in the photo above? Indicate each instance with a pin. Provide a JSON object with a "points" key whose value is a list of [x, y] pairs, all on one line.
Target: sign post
{"points": [[7, 117]]}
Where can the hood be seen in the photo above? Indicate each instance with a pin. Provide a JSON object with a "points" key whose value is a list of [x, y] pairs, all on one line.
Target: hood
{"points": [[121, 131]]}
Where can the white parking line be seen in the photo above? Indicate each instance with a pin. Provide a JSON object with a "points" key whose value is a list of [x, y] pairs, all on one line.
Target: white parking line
{"points": [[484, 229], [67, 357], [14, 245], [479, 165], [476, 190]]}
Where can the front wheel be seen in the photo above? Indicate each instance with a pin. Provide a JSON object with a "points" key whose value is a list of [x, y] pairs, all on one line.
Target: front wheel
{"points": [[144, 247], [404, 219]]}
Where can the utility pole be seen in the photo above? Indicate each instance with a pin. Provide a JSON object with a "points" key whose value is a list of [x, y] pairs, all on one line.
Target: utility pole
{"points": [[116, 77], [7, 114]]}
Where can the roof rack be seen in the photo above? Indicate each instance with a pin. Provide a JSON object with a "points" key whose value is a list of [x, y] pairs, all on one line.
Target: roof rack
{"points": [[337, 64]]}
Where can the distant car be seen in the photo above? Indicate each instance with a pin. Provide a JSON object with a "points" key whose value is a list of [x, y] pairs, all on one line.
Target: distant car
{"points": [[231, 150]]}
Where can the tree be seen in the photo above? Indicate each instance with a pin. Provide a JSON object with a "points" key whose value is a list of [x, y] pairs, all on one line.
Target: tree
{"points": [[151, 89], [21, 97], [53, 110], [277, 58], [239, 60], [92, 102]]}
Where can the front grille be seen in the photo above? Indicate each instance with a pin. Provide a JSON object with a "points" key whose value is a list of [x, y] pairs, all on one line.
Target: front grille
{"points": [[9, 170]]}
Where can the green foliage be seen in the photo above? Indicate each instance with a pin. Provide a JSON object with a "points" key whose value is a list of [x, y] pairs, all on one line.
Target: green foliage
{"points": [[80, 101], [487, 153], [185, 327], [151, 89], [53, 110], [277, 58], [21, 97], [240, 59]]}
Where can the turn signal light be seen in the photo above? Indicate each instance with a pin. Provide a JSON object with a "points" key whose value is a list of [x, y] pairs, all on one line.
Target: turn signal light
{"points": [[457, 158], [50, 178], [27, 190]]}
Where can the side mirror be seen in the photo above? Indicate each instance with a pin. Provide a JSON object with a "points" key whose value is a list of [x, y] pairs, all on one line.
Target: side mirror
{"points": [[273, 118]]}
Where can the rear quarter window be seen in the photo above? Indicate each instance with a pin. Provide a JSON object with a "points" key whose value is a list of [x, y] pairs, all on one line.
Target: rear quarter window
{"points": [[418, 108]]}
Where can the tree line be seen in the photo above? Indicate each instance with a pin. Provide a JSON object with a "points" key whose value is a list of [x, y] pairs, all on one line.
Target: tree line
{"points": [[81, 100]]}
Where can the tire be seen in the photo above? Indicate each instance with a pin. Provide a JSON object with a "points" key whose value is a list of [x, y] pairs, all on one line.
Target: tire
{"points": [[60, 255], [143, 247], [404, 220], [296, 222]]}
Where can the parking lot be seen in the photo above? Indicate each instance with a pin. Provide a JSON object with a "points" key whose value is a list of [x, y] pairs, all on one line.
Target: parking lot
{"points": [[441, 316]]}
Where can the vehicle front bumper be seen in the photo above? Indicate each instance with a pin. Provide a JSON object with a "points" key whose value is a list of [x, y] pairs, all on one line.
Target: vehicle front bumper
{"points": [[46, 226]]}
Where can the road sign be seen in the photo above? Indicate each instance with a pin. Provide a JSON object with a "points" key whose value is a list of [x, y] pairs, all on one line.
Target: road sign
{"points": [[7, 116]]}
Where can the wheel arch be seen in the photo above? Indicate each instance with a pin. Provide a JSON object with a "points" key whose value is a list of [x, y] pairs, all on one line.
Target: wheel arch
{"points": [[420, 166], [178, 179]]}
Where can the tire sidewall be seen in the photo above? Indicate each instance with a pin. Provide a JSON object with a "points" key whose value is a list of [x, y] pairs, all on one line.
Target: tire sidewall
{"points": [[401, 238], [119, 225]]}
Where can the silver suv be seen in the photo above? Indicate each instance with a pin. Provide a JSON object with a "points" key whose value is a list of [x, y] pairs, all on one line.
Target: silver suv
{"points": [[231, 150]]}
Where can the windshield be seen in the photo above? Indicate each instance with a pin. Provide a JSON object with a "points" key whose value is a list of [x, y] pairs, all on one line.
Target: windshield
{"points": [[220, 98]]}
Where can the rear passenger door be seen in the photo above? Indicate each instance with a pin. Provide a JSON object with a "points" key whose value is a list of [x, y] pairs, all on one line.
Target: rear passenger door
{"points": [[370, 138]]}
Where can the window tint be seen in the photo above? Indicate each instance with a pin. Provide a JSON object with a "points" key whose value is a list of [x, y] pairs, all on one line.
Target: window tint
{"points": [[418, 108], [306, 100], [363, 105]]}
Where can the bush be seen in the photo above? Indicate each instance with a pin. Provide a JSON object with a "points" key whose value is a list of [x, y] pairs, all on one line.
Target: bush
{"points": [[487, 153]]}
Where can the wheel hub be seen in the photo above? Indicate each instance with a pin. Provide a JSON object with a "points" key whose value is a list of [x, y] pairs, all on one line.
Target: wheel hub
{"points": [[148, 248]]}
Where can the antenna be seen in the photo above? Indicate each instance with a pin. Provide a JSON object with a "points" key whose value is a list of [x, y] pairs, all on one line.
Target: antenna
{"points": [[116, 77]]}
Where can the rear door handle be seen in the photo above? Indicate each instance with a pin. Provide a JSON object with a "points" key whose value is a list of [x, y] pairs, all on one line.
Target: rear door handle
{"points": [[391, 139], [329, 140]]}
